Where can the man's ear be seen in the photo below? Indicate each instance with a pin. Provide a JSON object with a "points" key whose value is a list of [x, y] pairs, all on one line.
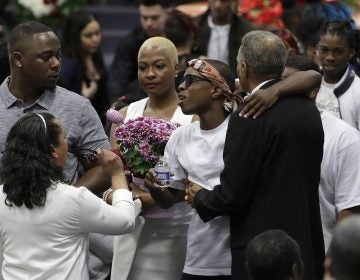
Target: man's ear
{"points": [[216, 92], [242, 70], [17, 58]]}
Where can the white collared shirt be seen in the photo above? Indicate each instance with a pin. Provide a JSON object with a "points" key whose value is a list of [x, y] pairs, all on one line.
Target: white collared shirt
{"points": [[259, 86], [219, 41]]}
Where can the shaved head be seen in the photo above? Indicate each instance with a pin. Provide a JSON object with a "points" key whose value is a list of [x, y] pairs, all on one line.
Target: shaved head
{"points": [[23, 33], [163, 43]]}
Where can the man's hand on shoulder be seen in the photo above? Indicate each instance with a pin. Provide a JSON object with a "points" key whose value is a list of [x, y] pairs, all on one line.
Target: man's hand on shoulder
{"points": [[257, 103]]}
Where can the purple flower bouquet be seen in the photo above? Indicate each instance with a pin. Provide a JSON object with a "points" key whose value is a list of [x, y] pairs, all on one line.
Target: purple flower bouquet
{"points": [[142, 141]]}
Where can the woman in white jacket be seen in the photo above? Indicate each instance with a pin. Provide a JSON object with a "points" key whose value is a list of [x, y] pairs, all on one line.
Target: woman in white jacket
{"points": [[44, 223]]}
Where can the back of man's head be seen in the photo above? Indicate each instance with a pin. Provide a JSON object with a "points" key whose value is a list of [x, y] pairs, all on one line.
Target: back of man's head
{"points": [[344, 250], [296, 63], [273, 255], [264, 53], [301, 63], [23, 33]]}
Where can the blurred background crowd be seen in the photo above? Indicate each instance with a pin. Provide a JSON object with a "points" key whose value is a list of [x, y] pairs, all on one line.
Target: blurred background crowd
{"points": [[100, 42], [109, 74]]}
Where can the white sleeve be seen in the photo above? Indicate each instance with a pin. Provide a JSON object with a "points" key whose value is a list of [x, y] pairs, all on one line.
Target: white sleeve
{"points": [[171, 155], [1, 259], [347, 188], [99, 217]]}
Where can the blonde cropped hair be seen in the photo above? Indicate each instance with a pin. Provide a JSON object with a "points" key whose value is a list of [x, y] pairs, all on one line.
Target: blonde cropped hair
{"points": [[164, 43]]}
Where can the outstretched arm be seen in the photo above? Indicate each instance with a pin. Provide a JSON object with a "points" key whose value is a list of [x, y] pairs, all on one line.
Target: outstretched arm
{"points": [[299, 82], [240, 174]]}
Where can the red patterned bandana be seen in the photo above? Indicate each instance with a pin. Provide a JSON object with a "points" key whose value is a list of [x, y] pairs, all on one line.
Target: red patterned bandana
{"points": [[205, 69]]}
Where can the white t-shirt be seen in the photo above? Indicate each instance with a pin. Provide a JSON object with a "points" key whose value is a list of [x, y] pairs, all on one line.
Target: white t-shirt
{"points": [[51, 242], [196, 154], [347, 105], [218, 46], [180, 213], [326, 99], [340, 172]]}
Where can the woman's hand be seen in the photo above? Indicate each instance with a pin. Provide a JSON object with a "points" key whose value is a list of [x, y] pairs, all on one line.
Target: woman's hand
{"points": [[113, 165], [258, 102], [110, 162], [89, 91]]}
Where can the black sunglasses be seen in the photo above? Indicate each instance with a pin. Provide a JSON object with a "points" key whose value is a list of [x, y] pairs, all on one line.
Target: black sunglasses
{"points": [[189, 79]]}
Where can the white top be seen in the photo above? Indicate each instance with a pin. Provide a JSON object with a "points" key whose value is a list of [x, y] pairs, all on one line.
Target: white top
{"points": [[51, 242], [347, 106], [340, 172], [219, 40], [196, 154], [136, 109], [326, 99], [180, 212]]}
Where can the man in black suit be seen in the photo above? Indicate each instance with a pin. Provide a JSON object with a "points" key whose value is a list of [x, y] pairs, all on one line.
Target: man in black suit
{"points": [[272, 164]]}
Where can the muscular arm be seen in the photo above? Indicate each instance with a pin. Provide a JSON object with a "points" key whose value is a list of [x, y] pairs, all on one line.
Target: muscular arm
{"points": [[91, 136], [347, 212], [240, 174], [300, 82], [95, 179]]}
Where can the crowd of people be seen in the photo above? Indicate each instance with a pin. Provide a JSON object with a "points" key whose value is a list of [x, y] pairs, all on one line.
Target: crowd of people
{"points": [[264, 165]]}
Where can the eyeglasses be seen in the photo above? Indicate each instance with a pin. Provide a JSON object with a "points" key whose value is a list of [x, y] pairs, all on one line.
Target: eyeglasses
{"points": [[189, 79]]}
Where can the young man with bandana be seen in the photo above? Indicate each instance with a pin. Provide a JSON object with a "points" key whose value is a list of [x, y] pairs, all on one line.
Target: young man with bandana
{"points": [[194, 153]]}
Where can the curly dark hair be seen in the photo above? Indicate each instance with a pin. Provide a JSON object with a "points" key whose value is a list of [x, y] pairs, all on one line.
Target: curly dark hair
{"points": [[28, 169]]}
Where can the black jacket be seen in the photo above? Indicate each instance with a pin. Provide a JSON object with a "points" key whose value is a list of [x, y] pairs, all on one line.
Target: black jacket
{"points": [[271, 180]]}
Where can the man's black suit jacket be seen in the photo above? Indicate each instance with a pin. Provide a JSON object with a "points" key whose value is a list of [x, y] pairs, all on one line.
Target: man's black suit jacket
{"points": [[271, 179]]}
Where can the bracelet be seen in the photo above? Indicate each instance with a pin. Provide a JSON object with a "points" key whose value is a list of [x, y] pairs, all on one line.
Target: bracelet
{"points": [[106, 194], [136, 196]]}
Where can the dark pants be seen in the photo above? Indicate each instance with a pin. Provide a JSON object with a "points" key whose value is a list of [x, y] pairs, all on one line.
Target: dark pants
{"points": [[238, 270], [186, 276]]}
